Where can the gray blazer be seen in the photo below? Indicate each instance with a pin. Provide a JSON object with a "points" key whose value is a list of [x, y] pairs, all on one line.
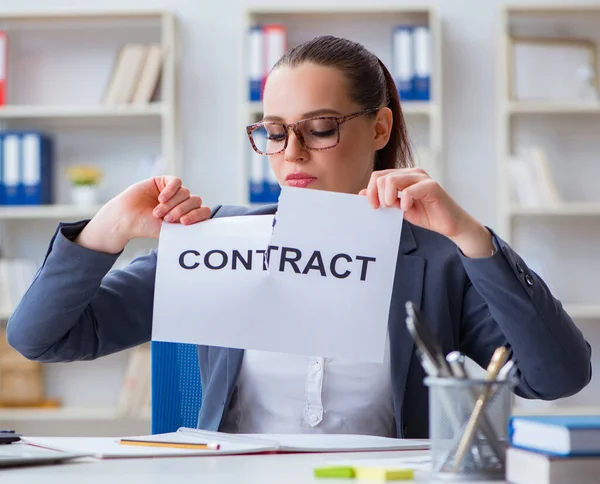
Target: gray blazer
{"points": [[76, 309]]}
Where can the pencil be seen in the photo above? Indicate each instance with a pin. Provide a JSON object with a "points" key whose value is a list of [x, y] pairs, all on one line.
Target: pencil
{"points": [[172, 445]]}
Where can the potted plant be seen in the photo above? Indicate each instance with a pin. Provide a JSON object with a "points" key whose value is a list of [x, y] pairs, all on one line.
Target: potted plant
{"points": [[84, 184]]}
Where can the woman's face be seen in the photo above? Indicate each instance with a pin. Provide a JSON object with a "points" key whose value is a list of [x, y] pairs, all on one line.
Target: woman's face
{"points": [[295, 93]]}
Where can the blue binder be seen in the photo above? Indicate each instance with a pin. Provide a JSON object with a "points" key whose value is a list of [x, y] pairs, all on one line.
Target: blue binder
{"points": [[272, 188], [403, 61], [11, 170], [422, 72], [256, 63], [36, 168], [257, 172]]}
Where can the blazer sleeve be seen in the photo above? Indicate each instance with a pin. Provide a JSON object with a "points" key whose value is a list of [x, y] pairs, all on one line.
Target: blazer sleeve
{"points": [[77, 308], [507, 303]]}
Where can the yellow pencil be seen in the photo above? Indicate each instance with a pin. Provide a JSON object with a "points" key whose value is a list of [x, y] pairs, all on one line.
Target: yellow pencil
{"points": [[172, 445]]}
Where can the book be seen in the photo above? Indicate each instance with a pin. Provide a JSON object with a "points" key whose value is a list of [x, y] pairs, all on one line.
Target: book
{"points": [[229, 444], [126, 73], [556, 434], [149, 76], [526, 467]]}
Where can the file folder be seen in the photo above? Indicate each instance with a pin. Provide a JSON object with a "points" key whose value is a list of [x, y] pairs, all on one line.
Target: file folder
{"points": [[422, 51], [275, 45], [403, 61], [272, 188], [36, 160], [256, 63], [11, 173], [257, 177]]}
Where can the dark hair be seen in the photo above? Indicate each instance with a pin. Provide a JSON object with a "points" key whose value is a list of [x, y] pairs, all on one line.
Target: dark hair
{"points": [[370, 84]]}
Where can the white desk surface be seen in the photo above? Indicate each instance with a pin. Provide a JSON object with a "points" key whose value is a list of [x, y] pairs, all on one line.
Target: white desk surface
{"points": [[246, 469]]}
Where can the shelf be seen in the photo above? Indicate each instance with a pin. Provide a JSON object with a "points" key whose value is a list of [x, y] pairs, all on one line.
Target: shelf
{"points": [[72, 14], [548, 107], [71, 212], [583, 311], [346, 9], [564, 209], [79, 112], [416, 108], [66, 413]]}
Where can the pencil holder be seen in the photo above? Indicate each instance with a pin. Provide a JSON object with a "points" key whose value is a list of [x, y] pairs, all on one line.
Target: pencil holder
{"points": [[468, 424]]}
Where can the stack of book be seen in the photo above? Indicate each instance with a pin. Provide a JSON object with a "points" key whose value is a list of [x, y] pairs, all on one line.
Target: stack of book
{"points": [[554, 449]]}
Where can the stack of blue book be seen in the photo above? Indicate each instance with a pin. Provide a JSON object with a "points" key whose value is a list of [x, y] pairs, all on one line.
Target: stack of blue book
{"points": [[554, 449]]}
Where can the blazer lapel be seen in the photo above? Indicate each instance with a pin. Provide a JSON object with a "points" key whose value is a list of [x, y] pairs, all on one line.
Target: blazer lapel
{"points": [[408, 286]]}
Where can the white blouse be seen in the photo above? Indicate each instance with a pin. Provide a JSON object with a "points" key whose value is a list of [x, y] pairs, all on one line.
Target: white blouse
{"points": [[283, 393]]}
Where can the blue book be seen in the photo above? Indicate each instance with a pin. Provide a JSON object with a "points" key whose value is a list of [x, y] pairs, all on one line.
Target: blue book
{"points": [[566, 435]]}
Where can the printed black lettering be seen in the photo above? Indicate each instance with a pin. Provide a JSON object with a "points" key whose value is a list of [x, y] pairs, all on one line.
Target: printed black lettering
{"points": [[292, 260], [211, 252], [310, 265], [247, 263], [333, 269], [365, 261], [182, 259]]}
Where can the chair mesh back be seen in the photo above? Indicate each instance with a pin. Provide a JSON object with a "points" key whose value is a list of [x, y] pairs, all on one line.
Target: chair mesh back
{"points": [[176, 386]]}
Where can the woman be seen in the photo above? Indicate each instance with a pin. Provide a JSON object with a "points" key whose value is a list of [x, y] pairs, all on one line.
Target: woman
{"points": [[333, 122]]}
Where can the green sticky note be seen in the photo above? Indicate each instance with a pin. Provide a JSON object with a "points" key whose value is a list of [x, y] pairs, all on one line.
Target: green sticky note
{"points": [[334, 471]]}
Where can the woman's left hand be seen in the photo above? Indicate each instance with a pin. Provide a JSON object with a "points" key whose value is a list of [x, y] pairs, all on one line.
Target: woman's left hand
{"points": [[426, 204]]}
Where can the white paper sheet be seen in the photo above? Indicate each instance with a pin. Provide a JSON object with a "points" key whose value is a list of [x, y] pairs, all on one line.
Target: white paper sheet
{"points": [[332, 302]]}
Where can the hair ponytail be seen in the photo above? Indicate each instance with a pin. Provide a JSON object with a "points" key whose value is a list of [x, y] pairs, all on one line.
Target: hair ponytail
{"points": [[397, 153]]}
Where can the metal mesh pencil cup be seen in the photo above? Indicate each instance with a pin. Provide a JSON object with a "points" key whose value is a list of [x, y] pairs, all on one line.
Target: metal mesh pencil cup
{"points": [[459, 409]]}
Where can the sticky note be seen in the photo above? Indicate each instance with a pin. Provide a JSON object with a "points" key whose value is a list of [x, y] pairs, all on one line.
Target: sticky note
{"points": [[334, 471], [384, 474]]}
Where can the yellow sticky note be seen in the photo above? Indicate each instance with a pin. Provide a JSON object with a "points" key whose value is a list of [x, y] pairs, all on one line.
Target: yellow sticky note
{"points": [[384, 474]]}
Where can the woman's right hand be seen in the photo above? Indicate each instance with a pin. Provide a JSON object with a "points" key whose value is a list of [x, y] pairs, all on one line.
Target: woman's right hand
{"points": [[139, 211]]}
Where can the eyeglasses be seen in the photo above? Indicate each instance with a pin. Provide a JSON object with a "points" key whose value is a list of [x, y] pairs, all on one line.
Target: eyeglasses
{"points": [[318, 133]]}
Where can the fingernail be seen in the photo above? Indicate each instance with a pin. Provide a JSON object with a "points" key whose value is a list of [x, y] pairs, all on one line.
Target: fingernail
{"points": [[169, 218], [158, 212]]}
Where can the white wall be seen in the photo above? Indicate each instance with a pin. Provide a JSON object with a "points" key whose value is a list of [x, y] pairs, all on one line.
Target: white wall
{"points": [[212, 35]]}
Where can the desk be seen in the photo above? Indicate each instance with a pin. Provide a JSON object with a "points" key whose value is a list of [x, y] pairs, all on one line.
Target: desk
{"points": [[243, 469]]}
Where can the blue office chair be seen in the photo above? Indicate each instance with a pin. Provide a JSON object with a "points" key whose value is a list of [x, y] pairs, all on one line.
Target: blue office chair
{"points": [[176, 386]]}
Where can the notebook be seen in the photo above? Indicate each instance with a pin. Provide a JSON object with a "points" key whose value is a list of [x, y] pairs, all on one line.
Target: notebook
{"points": [[229, 444], [558, 434]]}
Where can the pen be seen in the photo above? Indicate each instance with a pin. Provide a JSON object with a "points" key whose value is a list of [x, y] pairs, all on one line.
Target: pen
{"points": [[430, 353], [498, 360], [172, 445]]}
